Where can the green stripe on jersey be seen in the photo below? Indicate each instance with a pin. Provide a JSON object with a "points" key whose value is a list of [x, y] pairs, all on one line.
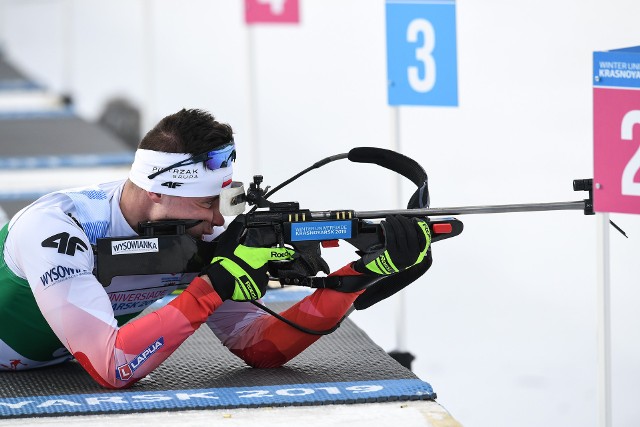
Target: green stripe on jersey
{"points": [[24, 329]]}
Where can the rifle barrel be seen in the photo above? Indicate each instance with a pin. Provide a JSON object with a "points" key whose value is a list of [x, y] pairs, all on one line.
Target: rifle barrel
{"points": [[464, 210]]}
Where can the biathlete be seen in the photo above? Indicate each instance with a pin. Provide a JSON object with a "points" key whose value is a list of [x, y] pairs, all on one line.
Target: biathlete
{"points": [[53, 308]]}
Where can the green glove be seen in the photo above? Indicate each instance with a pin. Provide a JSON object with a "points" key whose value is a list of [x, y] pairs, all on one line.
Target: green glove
{"points": [[239, 272], [406, 241]]}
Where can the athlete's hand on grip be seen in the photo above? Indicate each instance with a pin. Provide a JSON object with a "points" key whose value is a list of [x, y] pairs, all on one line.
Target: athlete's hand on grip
{"points": [[406, 241], [239, 272]]}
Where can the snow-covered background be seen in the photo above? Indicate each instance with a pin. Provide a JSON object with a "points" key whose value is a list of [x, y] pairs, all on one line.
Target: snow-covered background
{"points": [[504, 324]]}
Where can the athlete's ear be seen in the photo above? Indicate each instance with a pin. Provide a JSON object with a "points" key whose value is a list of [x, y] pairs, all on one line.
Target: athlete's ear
{"points": [[154, 197]]}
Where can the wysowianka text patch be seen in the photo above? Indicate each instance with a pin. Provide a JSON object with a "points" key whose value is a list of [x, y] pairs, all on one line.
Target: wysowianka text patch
{"points": [[135, 246]]}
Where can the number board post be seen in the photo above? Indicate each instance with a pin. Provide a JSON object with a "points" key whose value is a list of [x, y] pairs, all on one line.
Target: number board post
{"points": [[422, 64], [616, 112], [262, 12], [616, 161]]}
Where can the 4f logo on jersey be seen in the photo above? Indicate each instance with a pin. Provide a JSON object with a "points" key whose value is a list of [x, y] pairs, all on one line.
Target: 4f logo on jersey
{"points": [[65, 243], [170, 184]]}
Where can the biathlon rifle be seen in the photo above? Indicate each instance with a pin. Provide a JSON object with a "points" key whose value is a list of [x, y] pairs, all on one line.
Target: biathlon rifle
{"points": [[179, 257], [285, 223]]}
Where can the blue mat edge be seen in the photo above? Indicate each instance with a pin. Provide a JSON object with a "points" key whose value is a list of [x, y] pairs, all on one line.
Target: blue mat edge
{"points": [[119, 401]]}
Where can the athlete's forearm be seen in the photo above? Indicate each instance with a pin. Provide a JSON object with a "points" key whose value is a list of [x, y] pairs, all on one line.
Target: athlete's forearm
{"points": [[269, 342], [117, 358]]}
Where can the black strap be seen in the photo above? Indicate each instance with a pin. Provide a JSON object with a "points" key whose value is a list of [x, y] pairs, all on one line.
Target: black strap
{"points": [[389, 285], [344, 284], [400, 164], [410, 169], [295, 325]]}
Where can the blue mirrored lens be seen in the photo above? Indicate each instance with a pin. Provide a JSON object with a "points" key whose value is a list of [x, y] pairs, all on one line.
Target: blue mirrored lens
{"points": [[221, 157]]}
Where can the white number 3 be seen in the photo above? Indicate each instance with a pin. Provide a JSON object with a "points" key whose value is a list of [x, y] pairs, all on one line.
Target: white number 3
{"points": [[423, 54], [629, 187]]}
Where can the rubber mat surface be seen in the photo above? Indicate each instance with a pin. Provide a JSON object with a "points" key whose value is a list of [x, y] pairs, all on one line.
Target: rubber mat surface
{"points": [[344, 367]]}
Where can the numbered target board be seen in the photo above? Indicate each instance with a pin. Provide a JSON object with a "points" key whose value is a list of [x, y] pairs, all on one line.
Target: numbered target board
{"points": [[421, 52], [616, 120]]}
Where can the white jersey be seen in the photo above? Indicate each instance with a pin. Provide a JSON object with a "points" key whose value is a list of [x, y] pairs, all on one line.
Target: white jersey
{"points": [[53, 308], [52, 305]]}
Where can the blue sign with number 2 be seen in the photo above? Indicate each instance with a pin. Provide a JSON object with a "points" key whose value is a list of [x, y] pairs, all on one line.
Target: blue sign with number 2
{"points": [[421, 52]]}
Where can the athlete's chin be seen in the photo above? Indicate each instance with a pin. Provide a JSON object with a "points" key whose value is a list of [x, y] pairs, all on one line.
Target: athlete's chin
{"points": [[197, 234]]}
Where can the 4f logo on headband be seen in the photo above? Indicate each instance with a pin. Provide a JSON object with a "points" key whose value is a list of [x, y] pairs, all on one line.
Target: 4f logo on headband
{"points": [[170, 184]]}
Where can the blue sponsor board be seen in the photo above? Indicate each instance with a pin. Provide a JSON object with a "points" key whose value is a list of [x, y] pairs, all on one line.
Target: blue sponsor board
{"points": [[320, 230], [19, 84], [65, 161], [422, 66], [233, 397], [617, 68]]}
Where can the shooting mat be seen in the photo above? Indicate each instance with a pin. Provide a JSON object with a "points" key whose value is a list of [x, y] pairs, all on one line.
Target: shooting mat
{"points": [[342, 368]]}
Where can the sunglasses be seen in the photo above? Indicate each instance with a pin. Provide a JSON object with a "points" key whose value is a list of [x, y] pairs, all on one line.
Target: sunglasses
{"points": [[219, 158]]}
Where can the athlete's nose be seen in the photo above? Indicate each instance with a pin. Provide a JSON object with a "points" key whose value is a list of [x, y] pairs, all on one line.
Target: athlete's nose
{"points": [[217, 219]]}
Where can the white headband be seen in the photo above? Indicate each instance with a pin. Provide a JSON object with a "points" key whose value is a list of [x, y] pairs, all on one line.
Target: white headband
{"points": [[186, 181]]}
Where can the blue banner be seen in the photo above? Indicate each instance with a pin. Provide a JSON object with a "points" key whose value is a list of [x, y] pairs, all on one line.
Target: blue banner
{"points": [[617, 68], [275, 395]]}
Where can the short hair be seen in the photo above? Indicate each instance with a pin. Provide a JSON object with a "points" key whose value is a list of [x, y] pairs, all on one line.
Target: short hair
{"points": [[190, 131]]}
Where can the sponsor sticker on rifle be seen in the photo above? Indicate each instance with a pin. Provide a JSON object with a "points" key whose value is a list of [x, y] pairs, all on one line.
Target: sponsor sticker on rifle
{"points": [[321, 230], [135, 246]]}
